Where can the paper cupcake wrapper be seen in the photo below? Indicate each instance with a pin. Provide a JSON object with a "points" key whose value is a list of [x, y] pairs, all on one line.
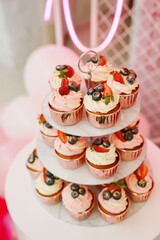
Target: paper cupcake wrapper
{"points": [[48, 140], [94, 84], [128, 100], [34, 174], [103, 121], [67, 118], [50, 200], [113, 218]]}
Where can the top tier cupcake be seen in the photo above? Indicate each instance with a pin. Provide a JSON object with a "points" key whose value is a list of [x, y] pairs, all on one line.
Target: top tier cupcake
{"points": [[101, 73], [63, 72]]}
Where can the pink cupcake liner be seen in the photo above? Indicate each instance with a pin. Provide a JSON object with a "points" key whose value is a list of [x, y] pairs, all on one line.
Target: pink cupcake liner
{"points": [[34, 174], [71, 163], [104, 120], [50, 200], [128, 100], [113, 218], [94, 84], [49, 140], [67, 118]]}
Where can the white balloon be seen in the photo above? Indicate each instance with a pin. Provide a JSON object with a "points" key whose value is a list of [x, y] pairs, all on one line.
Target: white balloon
{"points": [[19, 118]]}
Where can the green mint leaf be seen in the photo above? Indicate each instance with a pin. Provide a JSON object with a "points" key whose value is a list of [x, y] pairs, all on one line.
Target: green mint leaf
{"points": [[91, 147], [112, 98], [107, 100]]}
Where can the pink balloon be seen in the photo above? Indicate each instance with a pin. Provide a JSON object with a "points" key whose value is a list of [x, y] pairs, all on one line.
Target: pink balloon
{"points": [[40, 65], [19, 118]]}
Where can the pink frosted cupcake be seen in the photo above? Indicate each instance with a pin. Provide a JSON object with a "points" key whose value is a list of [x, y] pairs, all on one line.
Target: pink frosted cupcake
{"points": [[129, 143], [102, 106], [49, 187], [70, 150], [139, 184], [101, 74], [34, 165], [62, 72], [78, 200], [126, 84], [113, 203], [48, 133], [66, 104], [102, 158]]}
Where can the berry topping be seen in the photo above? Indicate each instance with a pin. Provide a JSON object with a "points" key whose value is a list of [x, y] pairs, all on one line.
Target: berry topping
{"points": [[74, 187], [100, 149], [73, 86], [141, 172], [93, 59], [124, 71], [75, 194], [34, 152], [106, 143], [141, 183], [62, 136], [96, 96], [102, 60], [133, 72], [99, 88], [107, 90], [81, 191], [128, 136], [117, 77], [98, 141], [41, 119], [64, 90], [58, 67], [68, 135], [63, 67], [107, 195], [70, 72], [49, 174], [49, 181], [120, 136], [48, 125], [72, 140], [124, 130], [64, 82], [116, 195], [90, 91], [134, 130], [30, 159], [131, 78]]}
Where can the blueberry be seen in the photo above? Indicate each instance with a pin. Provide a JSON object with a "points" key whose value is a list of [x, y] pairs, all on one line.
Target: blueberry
{"points": [[124, 130], [128, 136], [98, 141], [74, 187], [48, 125], [73, 86], [94, 59], [89, 60], [31, 159], [131, 78], [133, 72], [90, 91], [68, 135], [116, 195], [49, 181], [63, 67], [99, 88], [106, 143], [75, 194], [141, 183], [56, 178], [72, 139], [107, 195], [49, 174], [134, 130], [124, 71], [81, 191], [96, 96], [58, 67]]}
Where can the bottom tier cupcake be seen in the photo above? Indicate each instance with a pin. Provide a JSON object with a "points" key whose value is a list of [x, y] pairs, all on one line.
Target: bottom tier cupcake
{"points": [[34, 165]]}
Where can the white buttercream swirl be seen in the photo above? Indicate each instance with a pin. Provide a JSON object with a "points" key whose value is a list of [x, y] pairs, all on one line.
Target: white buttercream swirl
{"points": [[126, 87]]}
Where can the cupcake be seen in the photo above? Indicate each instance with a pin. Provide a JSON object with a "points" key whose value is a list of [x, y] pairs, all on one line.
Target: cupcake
{"points": [[70, 150], [102, 106], [139, 184], [126, 84], [49, 187], [101, 74], [78, 200], [48, 132], [102, 158], [63, 73], [34, 165], [113, 202], [129, 143], [66, 104]]}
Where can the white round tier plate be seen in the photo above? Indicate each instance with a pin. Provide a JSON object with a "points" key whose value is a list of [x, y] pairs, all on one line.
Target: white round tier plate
{"points": [[82, 174], [37, 223], [83, 128]]}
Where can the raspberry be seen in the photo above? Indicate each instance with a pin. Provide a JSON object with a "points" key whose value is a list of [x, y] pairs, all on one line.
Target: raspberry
{"points": [[70, 71], [102, 61], [64, 90]]}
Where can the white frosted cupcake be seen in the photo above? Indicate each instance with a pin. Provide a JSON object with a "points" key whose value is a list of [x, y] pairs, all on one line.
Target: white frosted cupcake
{"points": [[33, 164]]}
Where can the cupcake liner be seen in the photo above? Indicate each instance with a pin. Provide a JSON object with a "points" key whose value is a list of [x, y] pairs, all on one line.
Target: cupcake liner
{"points": [[34, 174], [103, 120], [128, 100], [113, 218], [49, 140], [94, 84], [67, 118], [50, 200]]}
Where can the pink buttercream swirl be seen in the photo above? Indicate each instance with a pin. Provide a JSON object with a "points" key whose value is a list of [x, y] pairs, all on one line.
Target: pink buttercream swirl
{"points": [[112, 205], [68, 149], [53, 132], [135, 142], [66, 102], [79, 204], [131, 182]]}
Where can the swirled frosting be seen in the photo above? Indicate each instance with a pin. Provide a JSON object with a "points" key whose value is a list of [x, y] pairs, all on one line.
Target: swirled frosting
{"points": [[68, 149], [36, 165], [99, 158], [79, 204], [66, 102], [101, 73], [112, 205], [126, 87], [135, 142], [100, 106], [131, 182], [48, 190], [53, 132], [55, 81]]}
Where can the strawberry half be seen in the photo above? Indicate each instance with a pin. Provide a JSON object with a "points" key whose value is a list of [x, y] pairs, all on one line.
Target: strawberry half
{"points": [[118, 78], [102, 61], [41, 119], [34, 152], [62, 136], [64, 82], [70, 72], [100, 149], [64, 90], [44, 173], [107, 90], [141, 172], [119, 135]]}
